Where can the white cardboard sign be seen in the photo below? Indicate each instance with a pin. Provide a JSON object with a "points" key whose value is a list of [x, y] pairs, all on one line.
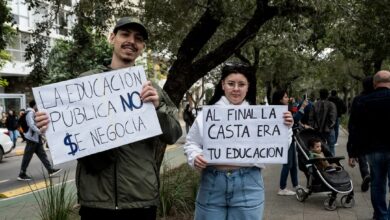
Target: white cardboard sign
{"points": [[95, 113], [245, 134]]}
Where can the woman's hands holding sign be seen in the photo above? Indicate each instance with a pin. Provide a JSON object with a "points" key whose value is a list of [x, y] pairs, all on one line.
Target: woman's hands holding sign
{"points": [[199, 162]]}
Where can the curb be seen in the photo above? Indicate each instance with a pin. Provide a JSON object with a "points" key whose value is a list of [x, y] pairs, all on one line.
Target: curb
{"points": [[18, 152], [173, 146], [23, 190]]}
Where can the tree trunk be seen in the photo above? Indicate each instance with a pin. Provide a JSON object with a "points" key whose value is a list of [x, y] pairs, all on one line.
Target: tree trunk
{"points": [[186, 70]]}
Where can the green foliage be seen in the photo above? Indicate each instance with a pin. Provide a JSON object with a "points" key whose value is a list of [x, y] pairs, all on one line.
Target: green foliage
{"points": [[56, 202], [178, 191], [5, 29], [6, 34], [37, 52], [289, 49], [360, 32], [4, 56], [3, 82], [66, 61]]}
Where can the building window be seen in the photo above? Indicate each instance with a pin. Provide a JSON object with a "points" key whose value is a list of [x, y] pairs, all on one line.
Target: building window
{"points": [[61, 25], [17, 47], [20, 14]]}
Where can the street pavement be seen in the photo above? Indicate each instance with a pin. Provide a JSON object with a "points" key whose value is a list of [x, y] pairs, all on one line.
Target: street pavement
{"points": [[276, 207]]}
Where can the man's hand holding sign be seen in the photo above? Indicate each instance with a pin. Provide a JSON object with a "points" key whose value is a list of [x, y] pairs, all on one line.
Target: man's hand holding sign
{"points": [[97, 112]]}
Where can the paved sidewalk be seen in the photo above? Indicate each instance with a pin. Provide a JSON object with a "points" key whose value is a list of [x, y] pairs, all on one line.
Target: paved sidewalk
{"points": [[289, 208]]}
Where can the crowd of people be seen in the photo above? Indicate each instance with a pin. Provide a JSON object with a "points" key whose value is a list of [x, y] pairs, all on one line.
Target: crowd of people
{"points": [[367, 143], [10, 120], [133, 168]]}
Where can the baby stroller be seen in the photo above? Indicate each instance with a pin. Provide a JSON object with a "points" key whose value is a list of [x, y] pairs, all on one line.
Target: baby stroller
{"points": [[318, 180]]}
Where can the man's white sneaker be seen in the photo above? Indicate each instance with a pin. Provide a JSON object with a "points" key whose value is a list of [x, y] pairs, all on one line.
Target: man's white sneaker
{"points": [[285, 192], [53, 172]]}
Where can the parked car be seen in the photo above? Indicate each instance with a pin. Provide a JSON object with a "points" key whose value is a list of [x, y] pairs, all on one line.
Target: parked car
{"points": [[5, 143]]}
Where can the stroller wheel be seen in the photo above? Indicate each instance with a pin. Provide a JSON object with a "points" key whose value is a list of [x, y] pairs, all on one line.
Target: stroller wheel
{"points": [[347, 201], [301, 194], [330, 204]]}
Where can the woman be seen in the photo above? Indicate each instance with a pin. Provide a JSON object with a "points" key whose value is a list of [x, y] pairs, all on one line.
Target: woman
{"points": [[280, 97], [230, 190]]}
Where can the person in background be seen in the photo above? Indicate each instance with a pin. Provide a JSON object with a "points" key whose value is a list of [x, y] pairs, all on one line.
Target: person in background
{"points": [[123, 183], [12, 126], [307, 105], [322, 118], [34, 145], [341, 109], [280, 97], [20, 129], [316, 151], [293, 105], [354, 145], [374, 120], [188, 117], [3, 119], [228, 191]]}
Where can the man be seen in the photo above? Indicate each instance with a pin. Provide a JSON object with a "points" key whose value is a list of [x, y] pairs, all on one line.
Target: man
{"points": [[322, 117], [355, 144], [123, 183], [375, 120], [34, 145], [341, 109]]}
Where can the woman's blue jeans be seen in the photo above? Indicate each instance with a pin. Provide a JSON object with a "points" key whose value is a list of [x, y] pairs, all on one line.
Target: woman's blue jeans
{"points": [[289, 167], [230, 195]]}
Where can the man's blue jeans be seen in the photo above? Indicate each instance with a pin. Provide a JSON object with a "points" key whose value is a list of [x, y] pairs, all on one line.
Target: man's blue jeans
{"points": [[331, 141], [380, 176], [230, 195], [336, 130]]}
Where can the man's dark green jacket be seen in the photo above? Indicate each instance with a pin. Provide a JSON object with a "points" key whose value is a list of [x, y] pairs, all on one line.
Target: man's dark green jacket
{"points": [[127, 176]]}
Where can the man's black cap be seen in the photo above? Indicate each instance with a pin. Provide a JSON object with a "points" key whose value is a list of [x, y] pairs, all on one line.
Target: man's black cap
{"points": [[132, 21]]}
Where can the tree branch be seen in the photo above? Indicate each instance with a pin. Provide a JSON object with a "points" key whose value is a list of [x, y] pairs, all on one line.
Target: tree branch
{"points": [[239, 55], [185, 71], [202, 31]]}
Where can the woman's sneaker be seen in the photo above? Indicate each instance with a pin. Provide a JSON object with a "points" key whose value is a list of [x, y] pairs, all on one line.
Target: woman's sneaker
{"points": [[24, 177], [286, 192]]}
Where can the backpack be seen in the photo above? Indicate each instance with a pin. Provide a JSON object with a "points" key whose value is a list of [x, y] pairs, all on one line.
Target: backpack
{"points": [[23, 122]]}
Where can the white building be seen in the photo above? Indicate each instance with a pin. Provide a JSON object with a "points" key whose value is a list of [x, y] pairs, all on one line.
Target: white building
{"points": [[25, 22]]}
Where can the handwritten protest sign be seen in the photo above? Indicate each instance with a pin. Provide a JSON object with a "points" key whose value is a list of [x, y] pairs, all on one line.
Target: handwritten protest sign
{"points": [[244, 134], [95, 113]]}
